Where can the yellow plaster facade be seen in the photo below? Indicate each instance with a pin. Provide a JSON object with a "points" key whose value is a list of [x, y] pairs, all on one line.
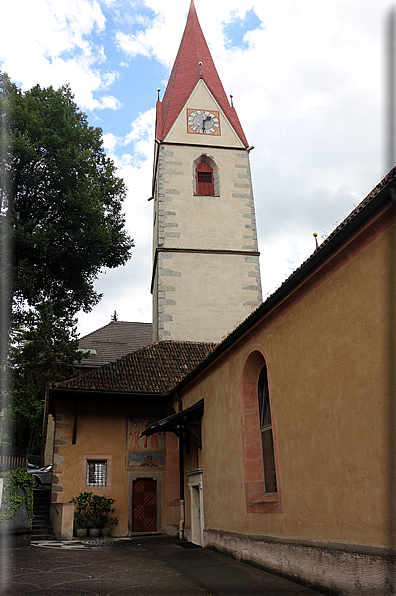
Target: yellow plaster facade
{"points": [[101, 435], [326, 350]]}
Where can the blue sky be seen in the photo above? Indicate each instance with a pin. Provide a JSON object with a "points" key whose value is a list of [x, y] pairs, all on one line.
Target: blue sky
{"points": [[308, 86]]}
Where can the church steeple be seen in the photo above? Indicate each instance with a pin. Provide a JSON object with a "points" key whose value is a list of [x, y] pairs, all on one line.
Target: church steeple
{"points": [[206, 276], [186, 73]]}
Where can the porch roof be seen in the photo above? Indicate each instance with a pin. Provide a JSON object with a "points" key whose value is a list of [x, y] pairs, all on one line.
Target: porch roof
{"points": [[171, 422]]}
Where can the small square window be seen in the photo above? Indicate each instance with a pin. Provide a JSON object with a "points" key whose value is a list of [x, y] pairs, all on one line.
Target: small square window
{"points": [[96, 473]]}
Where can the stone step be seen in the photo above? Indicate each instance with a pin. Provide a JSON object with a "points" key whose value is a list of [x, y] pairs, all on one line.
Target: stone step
{"points": [[38, 537], [45, 523], [41, 526], [42, 531]]}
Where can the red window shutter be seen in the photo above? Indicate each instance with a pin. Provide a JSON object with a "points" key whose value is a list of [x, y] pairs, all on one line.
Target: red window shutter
{"points": [[205, 179]]}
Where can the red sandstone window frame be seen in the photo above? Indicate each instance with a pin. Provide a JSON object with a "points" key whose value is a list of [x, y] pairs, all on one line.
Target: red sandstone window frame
{"points": [[257, 499]]}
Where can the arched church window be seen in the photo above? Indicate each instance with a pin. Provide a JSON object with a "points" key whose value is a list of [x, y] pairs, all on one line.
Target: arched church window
{"points": [[205, 184], [267, 443]]}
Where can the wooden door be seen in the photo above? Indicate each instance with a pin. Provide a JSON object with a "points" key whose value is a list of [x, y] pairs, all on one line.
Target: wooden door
{"points": [[205, 184], [144, 505]]}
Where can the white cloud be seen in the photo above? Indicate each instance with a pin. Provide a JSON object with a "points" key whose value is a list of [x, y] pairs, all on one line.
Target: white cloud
{"points": [[132, 45], [142, 128], [127, 289], [110, 141], [108, 101], [46, 42]]}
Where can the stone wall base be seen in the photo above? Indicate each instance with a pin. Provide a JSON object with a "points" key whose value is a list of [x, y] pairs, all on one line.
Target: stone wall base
{"points": [[62, 519], [171, 529], [336, 569], [15, 539]]}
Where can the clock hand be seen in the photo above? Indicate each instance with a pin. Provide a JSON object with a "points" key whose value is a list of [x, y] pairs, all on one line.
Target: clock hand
{"points": [[207, 119]]}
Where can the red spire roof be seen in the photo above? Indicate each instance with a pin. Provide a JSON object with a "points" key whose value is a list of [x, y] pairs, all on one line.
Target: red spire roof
{"points": [[185, 75]]}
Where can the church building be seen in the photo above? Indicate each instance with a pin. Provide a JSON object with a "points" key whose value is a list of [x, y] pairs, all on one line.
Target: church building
{"points": [[264, 430]]}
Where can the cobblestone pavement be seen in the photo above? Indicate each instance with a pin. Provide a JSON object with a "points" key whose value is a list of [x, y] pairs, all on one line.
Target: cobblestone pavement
{"points": [[146, 566]]}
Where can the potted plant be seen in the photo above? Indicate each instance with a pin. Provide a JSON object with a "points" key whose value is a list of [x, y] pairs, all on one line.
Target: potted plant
{"points": [[110, 522], [82, 512], [92, 514], [105, 508], [81, 524]]}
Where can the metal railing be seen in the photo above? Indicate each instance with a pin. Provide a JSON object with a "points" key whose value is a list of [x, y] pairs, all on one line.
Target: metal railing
{"points": [[13, 458]]}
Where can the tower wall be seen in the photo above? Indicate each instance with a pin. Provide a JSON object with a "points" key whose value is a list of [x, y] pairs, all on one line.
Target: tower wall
{"points": [[206, 276]]}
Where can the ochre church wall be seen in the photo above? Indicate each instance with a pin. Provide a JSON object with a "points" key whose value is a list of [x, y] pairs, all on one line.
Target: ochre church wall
{"points": [[326, 353]]}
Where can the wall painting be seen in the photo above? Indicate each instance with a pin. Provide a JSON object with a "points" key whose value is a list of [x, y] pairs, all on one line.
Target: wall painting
{"points": [[143, 452]]}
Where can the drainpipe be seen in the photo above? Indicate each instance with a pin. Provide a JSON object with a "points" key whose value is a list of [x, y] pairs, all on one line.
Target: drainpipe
{"points": [[181, 472]]}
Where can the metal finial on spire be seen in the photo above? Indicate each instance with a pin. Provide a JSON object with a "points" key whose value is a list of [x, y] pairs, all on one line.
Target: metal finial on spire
{"points": [[316, 240], [158, 91], [200, 67], [232, 103]]}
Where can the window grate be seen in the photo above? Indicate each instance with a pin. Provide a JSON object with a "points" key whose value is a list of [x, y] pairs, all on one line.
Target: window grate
{"points": [[96, 473], [205, 177]]}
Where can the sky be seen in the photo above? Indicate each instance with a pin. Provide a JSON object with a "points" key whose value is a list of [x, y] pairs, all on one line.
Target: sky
{"points": [[308, 83]]}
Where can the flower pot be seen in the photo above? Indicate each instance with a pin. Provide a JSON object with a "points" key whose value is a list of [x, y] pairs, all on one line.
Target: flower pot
{"points": [[94, 532], [105, 531], [81, 532]]}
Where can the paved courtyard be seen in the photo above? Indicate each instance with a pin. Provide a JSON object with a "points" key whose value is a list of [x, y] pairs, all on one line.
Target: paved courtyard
{"points": [[144, 566]]}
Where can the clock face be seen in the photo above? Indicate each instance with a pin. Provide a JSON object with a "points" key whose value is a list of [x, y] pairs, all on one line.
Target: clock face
{"points": [[203, 122]]}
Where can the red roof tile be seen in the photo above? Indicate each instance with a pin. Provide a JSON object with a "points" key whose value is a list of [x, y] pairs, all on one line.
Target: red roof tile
{"points": [[157, 368], [185, 75], [114, 340]]}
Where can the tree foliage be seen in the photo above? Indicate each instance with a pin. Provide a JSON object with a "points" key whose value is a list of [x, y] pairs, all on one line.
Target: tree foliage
{"points": [[60, 223], [62, 199], [44, 349]]}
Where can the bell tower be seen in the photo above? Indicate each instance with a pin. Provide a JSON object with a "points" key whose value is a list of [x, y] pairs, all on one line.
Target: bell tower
{"points": [[206, 276]]}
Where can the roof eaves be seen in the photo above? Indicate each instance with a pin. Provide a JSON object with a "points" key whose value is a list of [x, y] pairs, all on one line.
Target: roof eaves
{"points": [[93, 392]]}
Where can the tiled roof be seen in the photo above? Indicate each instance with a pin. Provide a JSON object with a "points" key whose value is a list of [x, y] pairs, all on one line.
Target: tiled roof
{"points": [[157, 368], [185, 75], [114, 340]]}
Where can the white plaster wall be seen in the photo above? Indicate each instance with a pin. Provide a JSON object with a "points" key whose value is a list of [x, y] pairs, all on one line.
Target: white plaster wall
{"points": [[202, 99], [225, 222], [202, 297]]}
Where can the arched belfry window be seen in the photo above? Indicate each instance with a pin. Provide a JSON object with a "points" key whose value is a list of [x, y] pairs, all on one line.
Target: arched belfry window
{"points": [[267, 442], [205, 182], [206, 177]]}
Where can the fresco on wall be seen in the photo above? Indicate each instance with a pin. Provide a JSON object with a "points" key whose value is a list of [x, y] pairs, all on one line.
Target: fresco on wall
{"points": [[143, 452]]}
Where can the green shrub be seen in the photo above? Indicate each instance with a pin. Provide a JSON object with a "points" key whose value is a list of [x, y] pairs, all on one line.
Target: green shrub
{"points": [[93, 510]]}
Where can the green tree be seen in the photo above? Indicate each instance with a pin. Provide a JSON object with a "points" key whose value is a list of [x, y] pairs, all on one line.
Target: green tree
{"points": [[62, 200], [44, 349], [60, 224]]}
